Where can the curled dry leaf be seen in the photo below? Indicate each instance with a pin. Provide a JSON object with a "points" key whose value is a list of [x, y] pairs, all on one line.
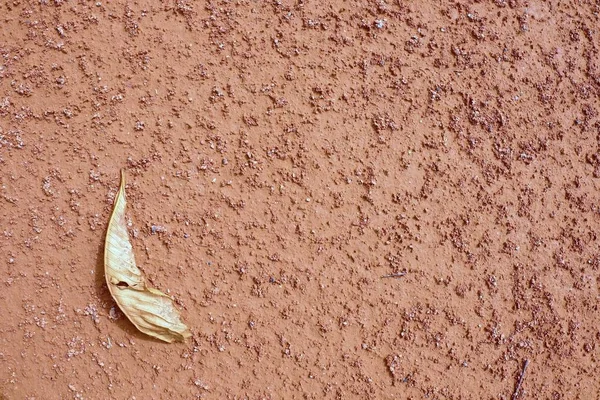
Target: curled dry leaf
{"points": [[150, 310]]}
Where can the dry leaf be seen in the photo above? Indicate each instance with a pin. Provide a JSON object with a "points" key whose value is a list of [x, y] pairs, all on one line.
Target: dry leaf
{"points": [[150, 310]]}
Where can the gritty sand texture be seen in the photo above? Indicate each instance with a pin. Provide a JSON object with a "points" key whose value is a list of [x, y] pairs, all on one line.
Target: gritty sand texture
{"points": [[287, 161]]}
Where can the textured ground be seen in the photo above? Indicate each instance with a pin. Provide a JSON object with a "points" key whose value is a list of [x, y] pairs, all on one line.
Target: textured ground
{"points": [[281, 158]]}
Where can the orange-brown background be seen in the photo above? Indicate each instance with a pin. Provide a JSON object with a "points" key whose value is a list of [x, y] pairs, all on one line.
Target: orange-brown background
{"points": [[288, 155]]}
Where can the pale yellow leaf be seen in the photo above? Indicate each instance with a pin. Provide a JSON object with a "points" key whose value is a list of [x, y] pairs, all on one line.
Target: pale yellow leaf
{"points": [[150, 310]]}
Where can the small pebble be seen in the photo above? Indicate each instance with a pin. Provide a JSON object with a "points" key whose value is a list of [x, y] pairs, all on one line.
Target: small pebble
{"points": [[158, 229]]}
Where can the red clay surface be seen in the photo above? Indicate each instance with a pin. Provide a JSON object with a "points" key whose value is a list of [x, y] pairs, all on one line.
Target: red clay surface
{"points": [[281, 158]]}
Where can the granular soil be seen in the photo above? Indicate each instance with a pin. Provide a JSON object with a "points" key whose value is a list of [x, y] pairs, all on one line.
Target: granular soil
{"points": [[346, 199]]}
